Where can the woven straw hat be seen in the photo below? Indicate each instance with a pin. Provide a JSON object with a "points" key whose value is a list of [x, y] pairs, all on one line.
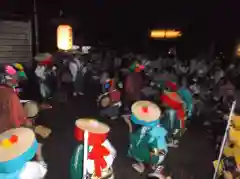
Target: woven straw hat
{"points": [[31, 109], [42, 57], [146, 111], [92, 126], [17, 146]]}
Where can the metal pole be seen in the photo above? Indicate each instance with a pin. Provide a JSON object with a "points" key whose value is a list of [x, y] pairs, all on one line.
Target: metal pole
{"points": [[224, 139], [36, 26], [85, 155]]}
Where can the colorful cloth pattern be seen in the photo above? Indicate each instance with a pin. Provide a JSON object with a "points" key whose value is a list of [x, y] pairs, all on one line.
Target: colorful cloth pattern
{"points": [[99, 158], [144, 141]]}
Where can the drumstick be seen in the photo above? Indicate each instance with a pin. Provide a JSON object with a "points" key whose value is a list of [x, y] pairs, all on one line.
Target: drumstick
{"points": [[85, 155], [24, 101]]}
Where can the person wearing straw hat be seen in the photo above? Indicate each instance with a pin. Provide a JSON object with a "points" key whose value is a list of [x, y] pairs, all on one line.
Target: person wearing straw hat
{"points": [[174, 118], [44, 60], [99, 151], [12, 114], [148, 144], [17, 147]]}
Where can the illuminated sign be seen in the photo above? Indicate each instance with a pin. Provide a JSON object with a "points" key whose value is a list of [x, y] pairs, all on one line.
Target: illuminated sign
{"points": [[165, 34]]}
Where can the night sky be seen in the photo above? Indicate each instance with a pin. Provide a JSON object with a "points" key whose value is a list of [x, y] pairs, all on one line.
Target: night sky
{"points": [[127, 22]]}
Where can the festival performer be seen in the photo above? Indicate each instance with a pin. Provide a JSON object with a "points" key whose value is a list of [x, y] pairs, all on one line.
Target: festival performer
{"points": [[166, 81], [187, 98], [101, 153], [110, 101], [18, 146], [13, 115], [148, 144], [44, 60], [78, 70], [133, 85], [175, 115]]}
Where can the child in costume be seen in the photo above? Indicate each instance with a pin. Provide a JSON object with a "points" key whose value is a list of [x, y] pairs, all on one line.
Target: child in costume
{"points": [[17, 147], [101, 153], [148, 144]]}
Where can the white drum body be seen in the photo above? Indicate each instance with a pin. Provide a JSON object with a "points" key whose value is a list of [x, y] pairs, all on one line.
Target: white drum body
{"points": [[109, 159]]}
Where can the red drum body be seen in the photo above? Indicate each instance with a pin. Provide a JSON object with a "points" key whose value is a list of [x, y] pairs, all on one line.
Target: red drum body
{"points": [[97, 131], [93, 139]]}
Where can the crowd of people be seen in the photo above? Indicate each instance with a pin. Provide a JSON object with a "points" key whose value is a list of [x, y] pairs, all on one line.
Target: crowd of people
{"points": [[156, 98]]}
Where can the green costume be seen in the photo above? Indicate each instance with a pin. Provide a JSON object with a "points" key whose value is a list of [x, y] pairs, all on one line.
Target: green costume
{"points": [[77, 162], [146, 140]]}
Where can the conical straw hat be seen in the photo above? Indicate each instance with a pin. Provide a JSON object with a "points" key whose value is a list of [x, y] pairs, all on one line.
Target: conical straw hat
{"points": [[17, 146], [146, 111], [42, 57], [92, 126]]}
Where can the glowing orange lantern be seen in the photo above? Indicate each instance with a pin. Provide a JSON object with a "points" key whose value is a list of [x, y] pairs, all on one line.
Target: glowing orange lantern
{"points": [[64, 37], [162, 34], [237, 52]]}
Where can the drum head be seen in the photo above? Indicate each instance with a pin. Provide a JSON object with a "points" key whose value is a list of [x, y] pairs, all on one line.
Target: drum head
{"points": [[26, 138], [105, 101], [146, 111], [31, 109], [92, 125]]}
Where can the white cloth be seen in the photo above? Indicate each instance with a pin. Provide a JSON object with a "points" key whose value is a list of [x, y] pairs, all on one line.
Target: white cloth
{"points": [[44, 90], [31, 170], [109, 159], [73, 67], [40, 72]]}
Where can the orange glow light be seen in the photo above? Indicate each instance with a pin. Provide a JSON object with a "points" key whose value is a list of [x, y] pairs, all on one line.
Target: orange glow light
{"points": [[161, 34], [238, 51], [64, 37]]}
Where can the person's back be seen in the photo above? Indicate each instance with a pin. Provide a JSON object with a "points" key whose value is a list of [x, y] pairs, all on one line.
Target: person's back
{"points": [[11, 110], [133, 86]]}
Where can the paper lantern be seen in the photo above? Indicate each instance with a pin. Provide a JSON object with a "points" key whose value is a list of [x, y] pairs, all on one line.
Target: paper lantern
{"points": [[238, 50], [165, 34], [64, 37]]}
